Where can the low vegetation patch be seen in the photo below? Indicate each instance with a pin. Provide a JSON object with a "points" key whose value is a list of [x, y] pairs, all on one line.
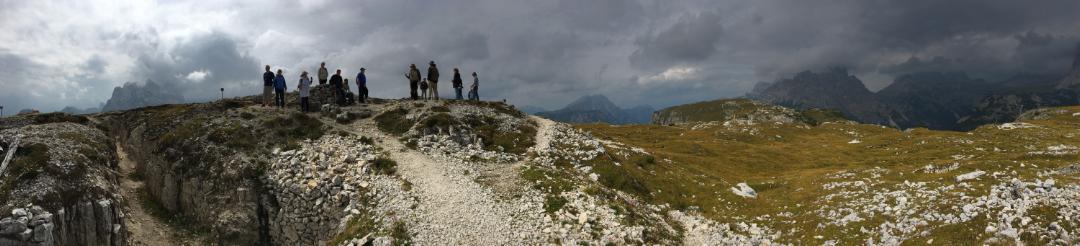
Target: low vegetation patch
{"points": [[58, 117], [384, 165], [394, 121]]}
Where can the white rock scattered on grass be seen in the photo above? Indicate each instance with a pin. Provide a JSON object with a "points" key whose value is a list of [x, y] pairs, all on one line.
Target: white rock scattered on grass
{"points": [[1016, 125], [855, 141], [744, 190], [969, 176]]}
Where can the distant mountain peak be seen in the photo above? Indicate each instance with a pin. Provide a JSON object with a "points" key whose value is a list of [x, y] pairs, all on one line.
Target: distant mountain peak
{"points": [[1076, 59], [598, 108]]}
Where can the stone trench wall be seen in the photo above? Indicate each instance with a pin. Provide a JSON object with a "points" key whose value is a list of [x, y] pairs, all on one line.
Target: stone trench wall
{"points": [[228, 208], [301, 200], [85, 223], [315, 189]]}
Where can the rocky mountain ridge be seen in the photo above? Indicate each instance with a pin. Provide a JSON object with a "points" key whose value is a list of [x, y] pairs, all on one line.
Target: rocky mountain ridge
{"points": [[598, 108], [936, 100]]}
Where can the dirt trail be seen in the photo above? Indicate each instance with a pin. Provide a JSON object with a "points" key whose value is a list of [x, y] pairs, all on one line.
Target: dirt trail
{"points": [[453, 208], [143, 228], [543, 133]]}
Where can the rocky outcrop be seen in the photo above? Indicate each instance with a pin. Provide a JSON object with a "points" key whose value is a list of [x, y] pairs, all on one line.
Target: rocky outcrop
{"points": [[67, 169], [834, 89], [740, 110], [225, 204], [133, 95]]}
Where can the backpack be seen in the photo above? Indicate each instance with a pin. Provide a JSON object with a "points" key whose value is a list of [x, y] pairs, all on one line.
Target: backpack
{"points": [[423, 85]]}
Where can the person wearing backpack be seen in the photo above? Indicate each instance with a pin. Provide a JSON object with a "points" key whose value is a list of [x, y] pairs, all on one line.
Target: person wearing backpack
{"points": [[413, 75], [433, 81], [457, 83]]}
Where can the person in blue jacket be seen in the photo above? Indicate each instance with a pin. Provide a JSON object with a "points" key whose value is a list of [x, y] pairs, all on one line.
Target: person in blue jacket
{"points": [[361, 86], [279, 89]]}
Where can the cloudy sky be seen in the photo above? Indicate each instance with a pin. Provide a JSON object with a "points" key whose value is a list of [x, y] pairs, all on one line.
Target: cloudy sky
{"points": [[544, 53]]}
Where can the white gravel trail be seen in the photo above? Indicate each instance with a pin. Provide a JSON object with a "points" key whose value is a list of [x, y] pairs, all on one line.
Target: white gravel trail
{"points": [[543, 133], [453, 209]]}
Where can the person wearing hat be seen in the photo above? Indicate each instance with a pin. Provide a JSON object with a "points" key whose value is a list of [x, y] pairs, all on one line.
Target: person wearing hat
{"points": [[473, 89], [414, 80], [457, 84], [433, 80], [361, 86], [305, 92]]}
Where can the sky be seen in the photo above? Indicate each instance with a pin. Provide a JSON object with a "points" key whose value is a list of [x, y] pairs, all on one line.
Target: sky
{"points": [[541, 53]]}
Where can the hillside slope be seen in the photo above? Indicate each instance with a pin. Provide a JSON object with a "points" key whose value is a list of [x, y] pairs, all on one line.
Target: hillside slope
{"points": [[450, 172], [845, 183]]}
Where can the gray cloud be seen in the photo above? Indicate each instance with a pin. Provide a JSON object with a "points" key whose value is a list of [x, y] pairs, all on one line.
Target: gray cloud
{"points": [[531, 52]]}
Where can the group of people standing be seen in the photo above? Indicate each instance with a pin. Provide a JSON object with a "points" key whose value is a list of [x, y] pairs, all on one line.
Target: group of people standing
{"points": [[429, 87], [275, 83]]}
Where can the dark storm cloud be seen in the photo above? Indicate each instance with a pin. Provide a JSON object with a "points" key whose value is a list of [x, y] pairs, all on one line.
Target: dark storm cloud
{"points": [[216, 54], [692, 39], [533, 52], [17, 72]]}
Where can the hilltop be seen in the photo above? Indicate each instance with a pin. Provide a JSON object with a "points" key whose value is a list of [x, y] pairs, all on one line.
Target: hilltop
{"points": [[451, 172]]}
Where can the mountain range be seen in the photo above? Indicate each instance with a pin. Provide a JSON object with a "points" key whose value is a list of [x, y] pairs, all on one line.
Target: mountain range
{"points": [[598, 108], [935, 100]]}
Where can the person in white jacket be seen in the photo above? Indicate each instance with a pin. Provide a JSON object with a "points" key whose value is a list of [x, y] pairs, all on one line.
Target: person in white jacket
{"points": [[305, 92]]}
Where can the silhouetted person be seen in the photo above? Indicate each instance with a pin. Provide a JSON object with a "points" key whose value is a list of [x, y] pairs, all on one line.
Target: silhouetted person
{"points": [[361, 86], [474, 93], [433, 80], [339, 92], [268, 86], [305, 92], [348, 93], [323, 73], [279, 89], [414, 80], [424, 90], [457, 84]]}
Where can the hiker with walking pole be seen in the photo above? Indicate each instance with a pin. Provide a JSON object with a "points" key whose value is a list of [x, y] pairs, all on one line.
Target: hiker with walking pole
{"points": [[414, 80]]}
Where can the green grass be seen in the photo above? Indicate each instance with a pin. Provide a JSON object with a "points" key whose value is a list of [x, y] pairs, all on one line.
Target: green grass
{"points": [[400, 233], [359, 225], [688, 168], [58, 117], [385, 166], [394, 121], [296, 127], [30, 160]]}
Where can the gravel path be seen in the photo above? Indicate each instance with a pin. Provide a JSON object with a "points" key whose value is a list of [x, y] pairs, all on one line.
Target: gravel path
{"points": [[453, 209], [543, 133], [144, 229]]}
